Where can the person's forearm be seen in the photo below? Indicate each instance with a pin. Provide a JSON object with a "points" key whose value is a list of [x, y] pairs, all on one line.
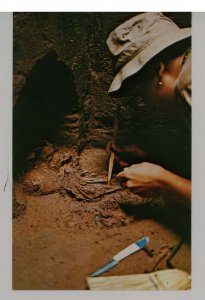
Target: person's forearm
{"points": [[176, 187]]}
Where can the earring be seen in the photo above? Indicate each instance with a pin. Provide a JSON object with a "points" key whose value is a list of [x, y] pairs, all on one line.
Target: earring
{"points": [[160, 82]]}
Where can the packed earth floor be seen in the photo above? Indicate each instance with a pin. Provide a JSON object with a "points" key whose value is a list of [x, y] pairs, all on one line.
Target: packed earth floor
{"points": [[67, 222]]}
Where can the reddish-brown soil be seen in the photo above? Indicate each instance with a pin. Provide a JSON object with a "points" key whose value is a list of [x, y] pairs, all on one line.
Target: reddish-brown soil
{"points": [[68, 223]]}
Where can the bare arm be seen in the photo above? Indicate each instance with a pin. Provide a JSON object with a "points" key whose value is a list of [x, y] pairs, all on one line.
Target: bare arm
{"points": [[176, 187], [151, 180]]}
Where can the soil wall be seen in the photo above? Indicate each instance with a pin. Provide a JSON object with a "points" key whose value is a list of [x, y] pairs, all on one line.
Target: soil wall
{"points": [[67, 222], [62, 72]]}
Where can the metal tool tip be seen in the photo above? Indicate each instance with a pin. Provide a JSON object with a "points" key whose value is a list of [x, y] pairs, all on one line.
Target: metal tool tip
{"points": [[147, 239]]}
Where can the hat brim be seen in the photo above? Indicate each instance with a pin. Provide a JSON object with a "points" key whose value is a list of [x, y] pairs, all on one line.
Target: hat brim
{"points": [[137, 62]]}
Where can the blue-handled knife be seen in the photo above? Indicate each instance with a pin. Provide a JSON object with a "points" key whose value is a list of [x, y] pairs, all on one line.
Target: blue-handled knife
{"points": [[121, 255]]}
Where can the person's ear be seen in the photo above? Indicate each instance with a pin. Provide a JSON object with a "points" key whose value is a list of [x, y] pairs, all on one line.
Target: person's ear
{"points": [[161, 71]]}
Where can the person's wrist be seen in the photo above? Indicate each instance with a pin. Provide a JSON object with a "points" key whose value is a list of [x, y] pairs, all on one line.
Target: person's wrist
{"points": [[162, 178]]}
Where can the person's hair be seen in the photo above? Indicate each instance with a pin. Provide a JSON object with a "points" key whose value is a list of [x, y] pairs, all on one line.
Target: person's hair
{"points": [[131, 84]]}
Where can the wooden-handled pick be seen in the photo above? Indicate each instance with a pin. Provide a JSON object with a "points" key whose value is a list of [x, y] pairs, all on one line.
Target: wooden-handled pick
{"points": [[112, 154]]}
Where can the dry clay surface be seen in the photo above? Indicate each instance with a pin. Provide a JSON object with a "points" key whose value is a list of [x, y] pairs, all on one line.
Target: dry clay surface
{"points": [[67, 222]]}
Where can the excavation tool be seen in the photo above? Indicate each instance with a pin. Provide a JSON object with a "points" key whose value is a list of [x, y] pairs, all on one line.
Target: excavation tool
{"points": [[112, 154], [121, 255], [174, 252]]}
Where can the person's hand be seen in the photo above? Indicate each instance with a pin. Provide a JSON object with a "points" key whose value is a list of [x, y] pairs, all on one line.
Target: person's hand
{"points": [[145, 179], [129, 153], [126, 155], [119, 163]]}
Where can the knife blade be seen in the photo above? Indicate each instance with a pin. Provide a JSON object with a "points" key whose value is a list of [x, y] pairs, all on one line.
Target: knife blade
{"points": [[134, 247]]}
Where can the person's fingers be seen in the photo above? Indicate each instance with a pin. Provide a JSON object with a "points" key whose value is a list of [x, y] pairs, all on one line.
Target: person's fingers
{"points": [[117, 160], [117, 150], [135, 166], [124, 174], [130, 184], [121, 175], [123, 164], [129, 153]]}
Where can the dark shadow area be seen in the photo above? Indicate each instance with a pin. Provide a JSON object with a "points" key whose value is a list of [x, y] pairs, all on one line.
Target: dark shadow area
{"points": [[47, 96], [161, 135], [174, 216]]}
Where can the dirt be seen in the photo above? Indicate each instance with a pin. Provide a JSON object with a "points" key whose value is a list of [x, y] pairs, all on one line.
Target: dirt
{"points": [[67, 222]]}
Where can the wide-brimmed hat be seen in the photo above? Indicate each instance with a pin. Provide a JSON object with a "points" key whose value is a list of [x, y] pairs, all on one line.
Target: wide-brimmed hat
{"points": [[138, 40]]}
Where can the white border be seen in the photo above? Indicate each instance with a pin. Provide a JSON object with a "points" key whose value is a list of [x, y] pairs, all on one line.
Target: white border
{"points": [[198, 153], [198, 244], [5, 149], [103, 5]]}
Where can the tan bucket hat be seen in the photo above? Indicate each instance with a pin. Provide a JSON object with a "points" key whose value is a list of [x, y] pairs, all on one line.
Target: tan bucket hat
{"points": [[138, 40]]}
